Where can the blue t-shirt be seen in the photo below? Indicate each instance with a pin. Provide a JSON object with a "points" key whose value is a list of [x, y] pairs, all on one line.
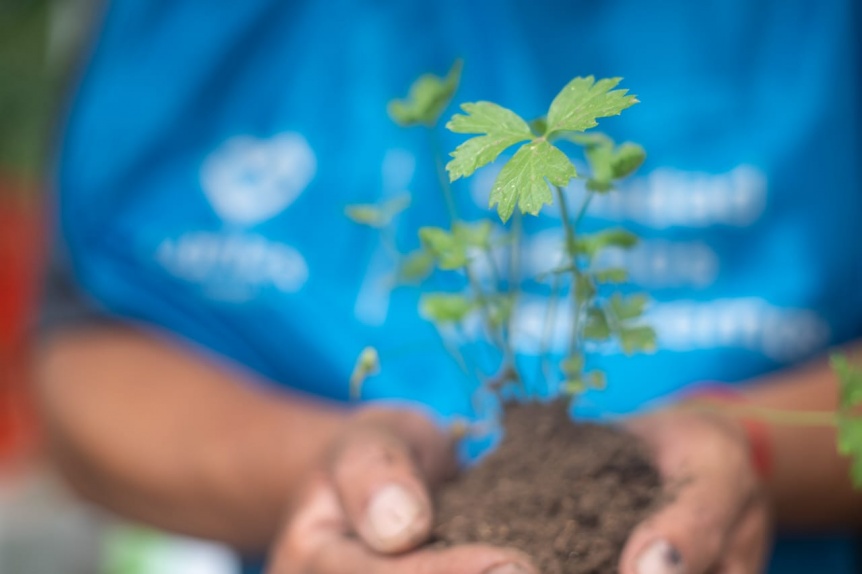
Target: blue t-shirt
{"points": [[212, 148]]}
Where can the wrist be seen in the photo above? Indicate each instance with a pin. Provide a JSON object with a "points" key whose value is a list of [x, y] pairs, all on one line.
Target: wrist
{"points": [[730, 403]]}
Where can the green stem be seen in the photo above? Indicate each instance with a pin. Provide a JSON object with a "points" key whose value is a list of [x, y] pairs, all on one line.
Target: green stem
{"points": [[548, 325], [571, 251], [442, 178], [775, 416], [498, 337]]}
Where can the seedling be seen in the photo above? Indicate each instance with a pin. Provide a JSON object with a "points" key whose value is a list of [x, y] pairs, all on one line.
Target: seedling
{"points": [[536, 175]]}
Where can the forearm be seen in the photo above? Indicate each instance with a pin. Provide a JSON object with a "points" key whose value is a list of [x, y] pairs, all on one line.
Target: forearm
{"points": [[810, 482], [157, 432]]}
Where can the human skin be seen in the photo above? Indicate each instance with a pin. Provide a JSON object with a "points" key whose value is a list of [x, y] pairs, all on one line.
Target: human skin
{"points": [[163, 433]]}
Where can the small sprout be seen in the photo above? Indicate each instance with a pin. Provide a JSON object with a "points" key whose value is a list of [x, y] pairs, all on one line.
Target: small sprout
{"points": [[611, 275], [591, 245], [428, 98], [416, 266], [367, 365], [442, 308], [449, 249], [378, 215]]}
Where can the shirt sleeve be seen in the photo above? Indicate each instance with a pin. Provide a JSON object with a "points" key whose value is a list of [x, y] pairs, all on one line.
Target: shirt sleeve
{"points": [[63, 303]]}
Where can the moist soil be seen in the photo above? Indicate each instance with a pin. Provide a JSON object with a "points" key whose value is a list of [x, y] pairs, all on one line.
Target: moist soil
{"points": [[567, 494]]}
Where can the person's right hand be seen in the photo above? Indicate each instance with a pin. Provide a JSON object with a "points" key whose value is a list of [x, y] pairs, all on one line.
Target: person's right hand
{"points": [[368, 508]]}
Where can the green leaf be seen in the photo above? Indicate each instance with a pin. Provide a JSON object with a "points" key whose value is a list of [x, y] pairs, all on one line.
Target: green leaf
{"points": [[591, 244], [627, 158], [380, 214], [500, 309], [596, 380], [445, 307], [611, 275], [850, 445], [572, 366], [850, 381], [627, 308], [524, 180], [367, 365], [428, 97], [500, 128], [539, 126], [577, 107], [449, 250], [601, 159], [590, 139], [585, 289], [416, 266], [637, 339], [574, 386], [596, 327], [474, 234]]}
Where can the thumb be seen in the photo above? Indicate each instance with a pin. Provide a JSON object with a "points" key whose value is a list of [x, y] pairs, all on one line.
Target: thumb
{"points": [[381, 479]]}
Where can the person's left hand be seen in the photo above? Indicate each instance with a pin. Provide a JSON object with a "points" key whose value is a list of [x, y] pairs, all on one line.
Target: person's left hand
{"points": [[717, 518]]}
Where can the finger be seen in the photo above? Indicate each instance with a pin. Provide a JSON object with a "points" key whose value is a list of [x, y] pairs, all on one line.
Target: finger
{"points": [[317, 543], [748, 546], [382, 488], [685, 537]]}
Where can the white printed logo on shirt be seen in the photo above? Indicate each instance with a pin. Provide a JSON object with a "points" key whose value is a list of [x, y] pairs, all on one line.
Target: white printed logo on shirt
{"points": [[249, 180]]}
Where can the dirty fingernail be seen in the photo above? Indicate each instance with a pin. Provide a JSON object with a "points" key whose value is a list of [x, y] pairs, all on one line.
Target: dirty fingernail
{"points": [[660, 558], [510, 568], [393, 513]]}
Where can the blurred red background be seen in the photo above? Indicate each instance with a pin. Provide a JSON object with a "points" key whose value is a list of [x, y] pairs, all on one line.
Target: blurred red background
{"points": [[22, 249]]}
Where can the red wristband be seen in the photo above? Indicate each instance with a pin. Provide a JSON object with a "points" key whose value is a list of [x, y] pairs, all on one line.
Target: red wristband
{"points": [[756, 430]]}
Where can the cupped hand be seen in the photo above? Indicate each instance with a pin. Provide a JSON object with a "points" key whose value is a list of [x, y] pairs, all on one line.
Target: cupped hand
{"points": [[368, 509], [716, 519]]}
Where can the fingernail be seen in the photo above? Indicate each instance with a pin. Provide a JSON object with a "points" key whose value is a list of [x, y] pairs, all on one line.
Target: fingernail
{"points": [[660, 558], [392, 513], [509, 568]]}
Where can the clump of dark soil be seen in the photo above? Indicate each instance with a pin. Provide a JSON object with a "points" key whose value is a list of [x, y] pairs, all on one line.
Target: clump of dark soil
{"points": [[568, 494]]}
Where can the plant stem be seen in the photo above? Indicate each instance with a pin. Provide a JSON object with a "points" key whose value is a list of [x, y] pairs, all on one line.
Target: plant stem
{"points": [[499, 337], [773, 415], [571, 250], [548, 326], [440, 168]]}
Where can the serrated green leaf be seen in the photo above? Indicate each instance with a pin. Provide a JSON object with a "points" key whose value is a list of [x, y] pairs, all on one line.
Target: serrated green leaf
{"points": [[596, 327], [611, 275], [627, 308], [474, 234], [445, 307], [850, 381], [428, 97], [416, 266], [578, 105], [591, 244], [850, 445], [501, 128], [378, 214], [449, 250], [524, 180], [637, 339], [627, 159]]}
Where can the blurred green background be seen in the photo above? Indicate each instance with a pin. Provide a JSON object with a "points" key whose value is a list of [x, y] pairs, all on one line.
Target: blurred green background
{"points": [[31, 72]]}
